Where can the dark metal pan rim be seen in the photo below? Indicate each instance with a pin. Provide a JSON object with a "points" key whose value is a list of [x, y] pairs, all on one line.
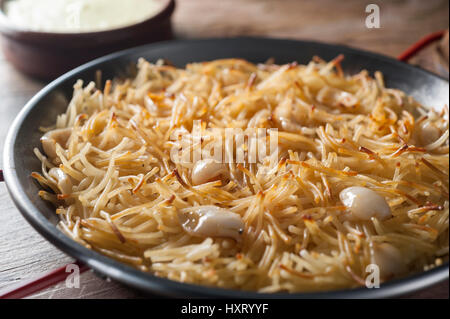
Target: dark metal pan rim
{"points": [[148, 282]]}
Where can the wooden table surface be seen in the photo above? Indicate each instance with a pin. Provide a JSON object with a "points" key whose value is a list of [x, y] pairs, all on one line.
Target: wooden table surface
{"points": [[24, 254]]}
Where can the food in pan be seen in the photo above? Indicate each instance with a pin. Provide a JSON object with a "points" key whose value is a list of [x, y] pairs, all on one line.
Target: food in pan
{"points": [[350, 178]]}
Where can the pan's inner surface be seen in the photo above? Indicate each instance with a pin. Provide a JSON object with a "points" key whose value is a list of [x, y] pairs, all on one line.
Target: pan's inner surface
{"points": [[42, 111]]}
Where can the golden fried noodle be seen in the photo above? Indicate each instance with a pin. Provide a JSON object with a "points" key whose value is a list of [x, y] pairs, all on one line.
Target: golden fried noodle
{"points": [[361, 176]]}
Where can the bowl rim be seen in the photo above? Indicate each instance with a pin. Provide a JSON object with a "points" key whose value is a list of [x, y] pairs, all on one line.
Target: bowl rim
{"points": [[133, 277], [7, 28]]}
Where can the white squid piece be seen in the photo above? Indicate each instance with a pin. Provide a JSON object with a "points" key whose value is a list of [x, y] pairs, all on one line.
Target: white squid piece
{"points": [[428, 133], [51, 138], [335, 97], [212, 221], [208, 170], [364, 203], [389, 260], [63, 180]]}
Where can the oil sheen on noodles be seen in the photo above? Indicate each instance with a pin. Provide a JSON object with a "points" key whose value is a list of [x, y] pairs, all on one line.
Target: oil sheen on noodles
{"points": [[360, 178]]}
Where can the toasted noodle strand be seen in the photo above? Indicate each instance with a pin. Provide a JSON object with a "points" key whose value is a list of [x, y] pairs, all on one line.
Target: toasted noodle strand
{"points": [[117, 189]]}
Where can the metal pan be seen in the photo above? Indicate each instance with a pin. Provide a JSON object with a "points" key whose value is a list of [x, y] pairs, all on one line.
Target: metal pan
{"points": [[19, 160]]}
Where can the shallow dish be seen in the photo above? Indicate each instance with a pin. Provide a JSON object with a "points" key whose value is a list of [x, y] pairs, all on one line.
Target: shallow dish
{"points": [[47, 55], [20, 161]]}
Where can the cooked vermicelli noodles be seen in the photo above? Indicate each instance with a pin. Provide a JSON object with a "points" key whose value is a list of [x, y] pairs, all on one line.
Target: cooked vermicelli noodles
{"points": [[359, 175]]}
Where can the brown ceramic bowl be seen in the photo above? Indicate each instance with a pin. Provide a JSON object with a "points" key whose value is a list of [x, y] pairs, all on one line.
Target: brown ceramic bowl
{"points": [[47, 55]]}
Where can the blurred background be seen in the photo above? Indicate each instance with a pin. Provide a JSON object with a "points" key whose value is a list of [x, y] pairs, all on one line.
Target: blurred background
{"points": [[402, 22], [25, 254]]}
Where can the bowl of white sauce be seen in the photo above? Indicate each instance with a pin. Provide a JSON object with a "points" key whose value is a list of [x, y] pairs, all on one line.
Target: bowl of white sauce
{"points": [[45, 38]]}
